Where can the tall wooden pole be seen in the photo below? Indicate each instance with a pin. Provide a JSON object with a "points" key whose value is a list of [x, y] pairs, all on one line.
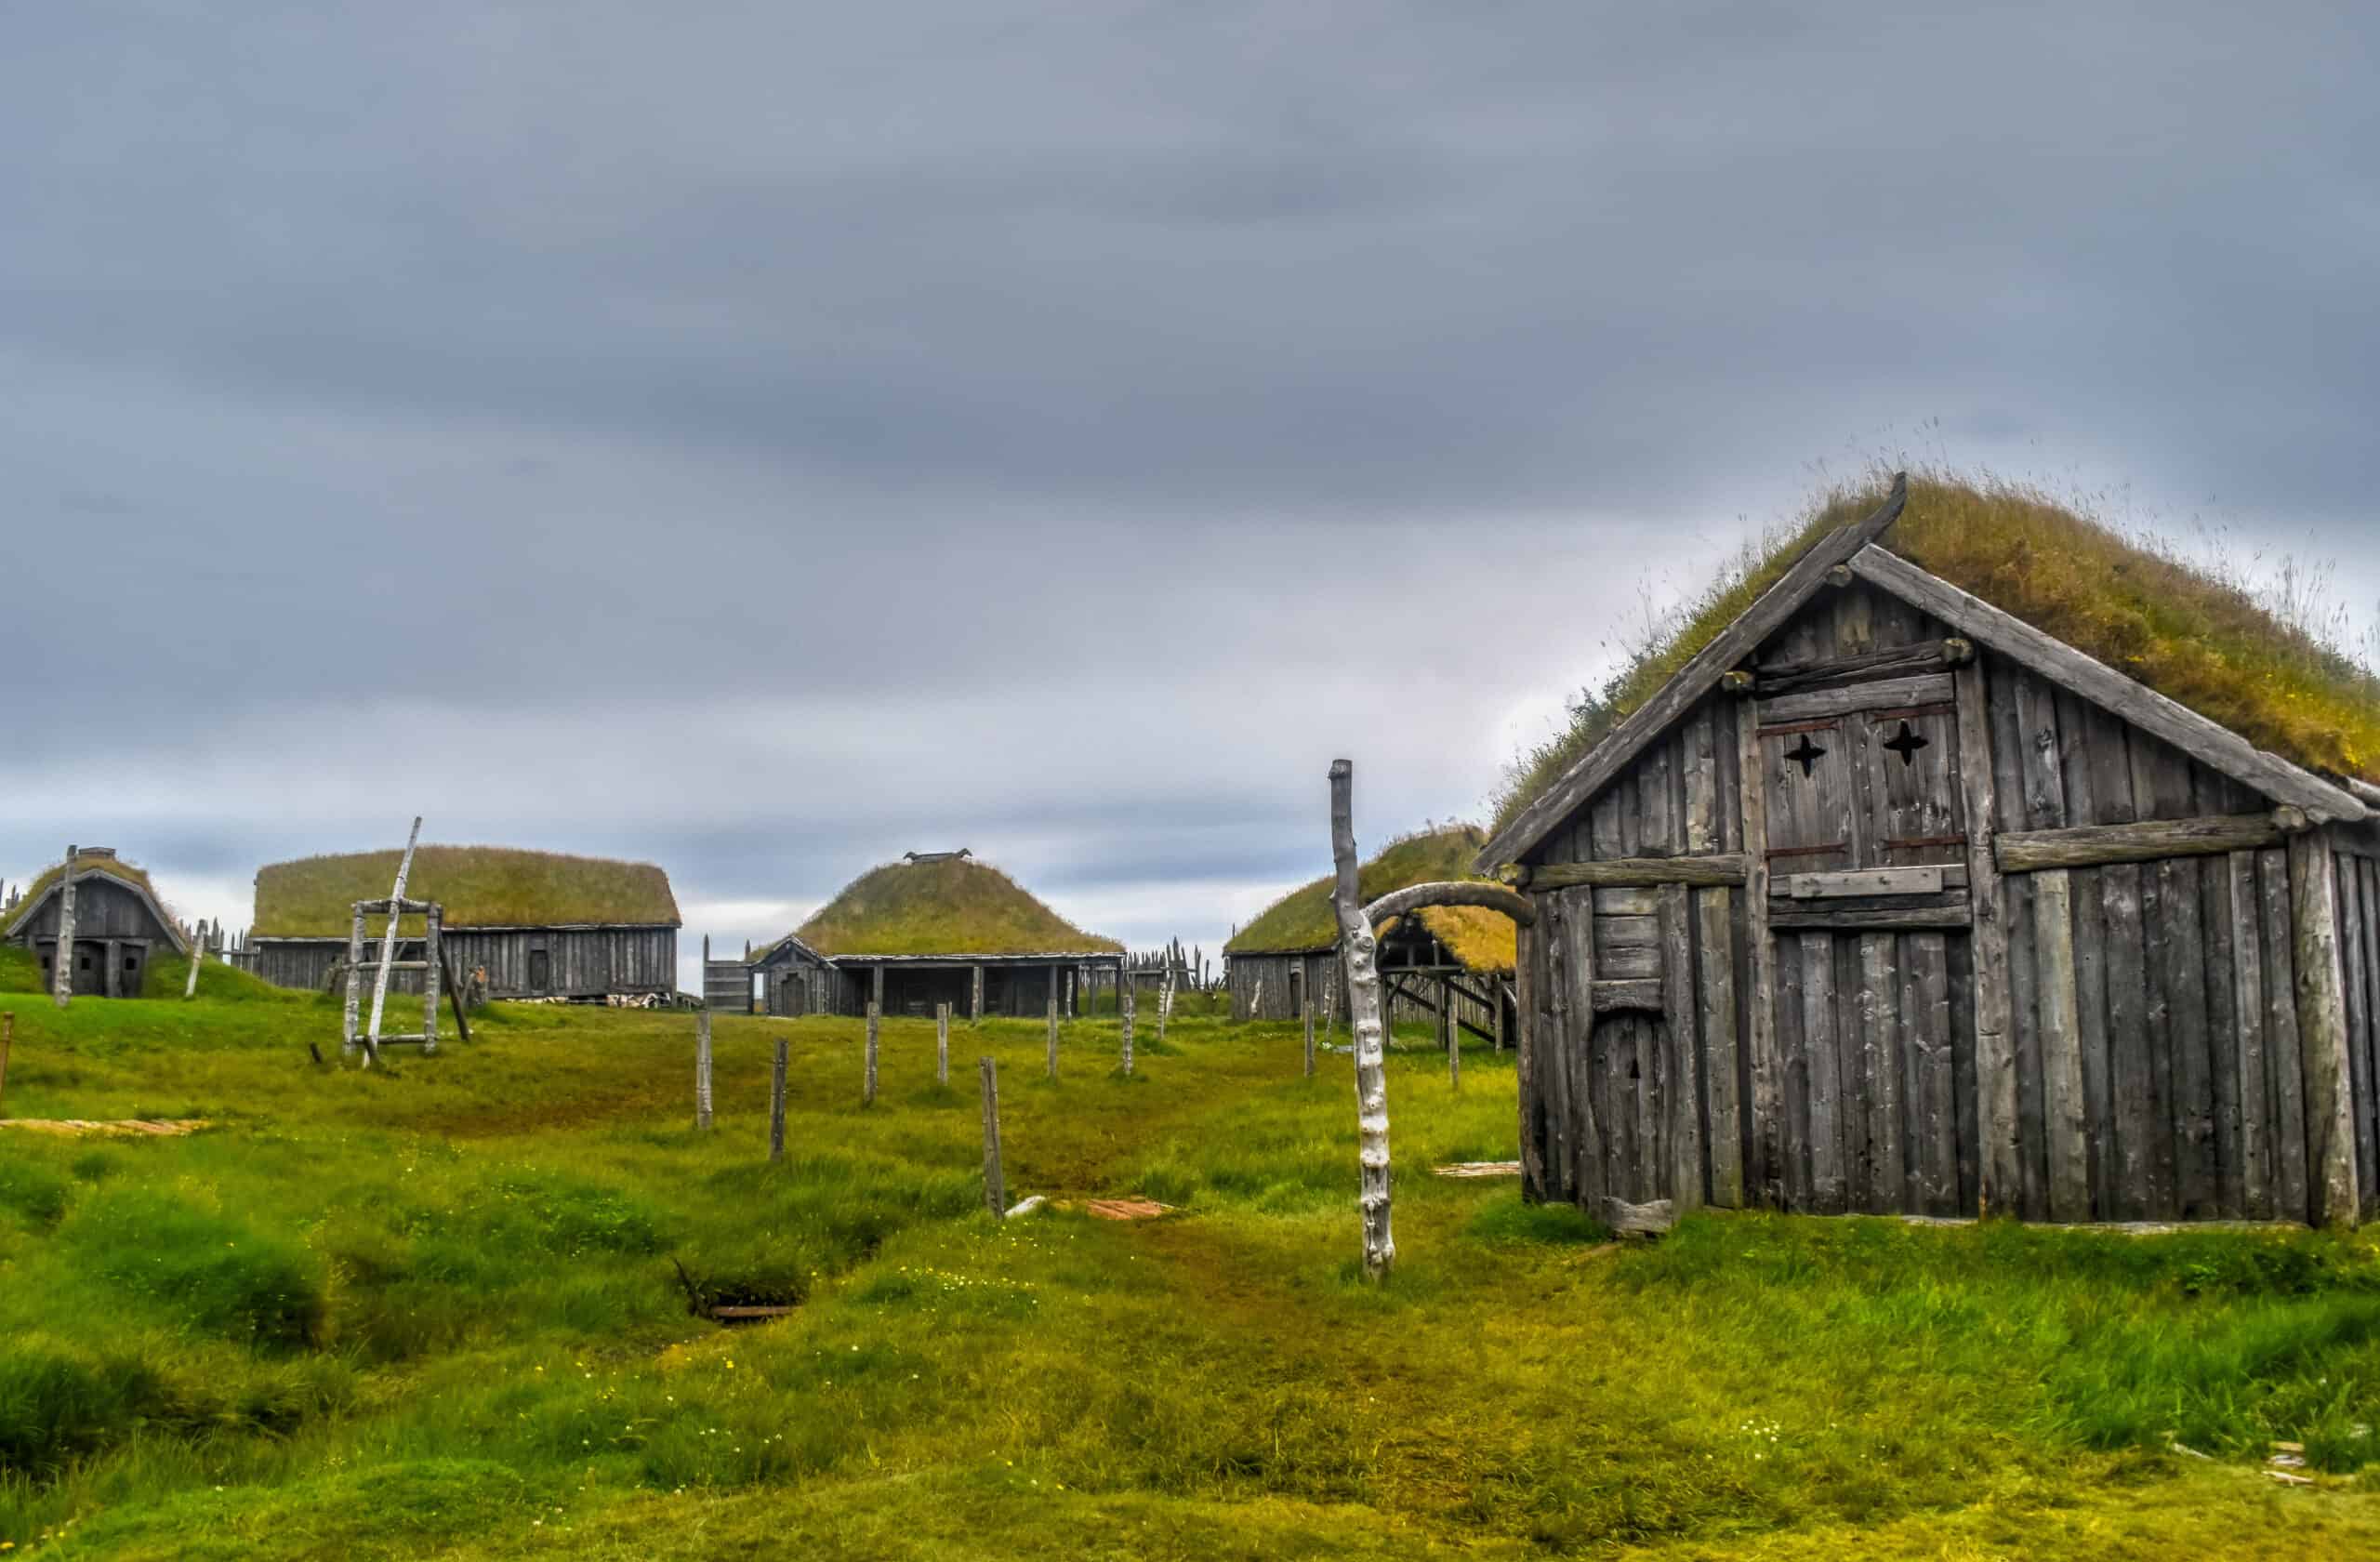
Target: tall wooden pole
{"points": [[1053, 1032], [352, 1014], [1124, 1000], [777, 1104], [702, 1070], [1364, 1019], [976, 1001], [995, 1183], [62, 978], [7, 1039], [1454, 1032], [1309, 1040], [389, 945], [197, 957], [868, 1090], [942, 1043]]}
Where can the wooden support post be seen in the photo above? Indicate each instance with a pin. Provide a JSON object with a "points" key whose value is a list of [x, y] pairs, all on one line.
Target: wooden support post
{"points": [[702, 1071], [389, 946], [876, 987], [348, 1040], [1124, 999], [1309, 1041], [868, 1089], [1054, 1033], [975, 998], [7, 1039], [62, 975], [776, 1103], [1452, 1032], [432, 959], [942, 1043], [2065, 1122], [995, 1184], [2322, 1030], [1164, 1004], [1364, 1019], [1766, 1075], [197, 959], [111, 979], [1997, 1157]]}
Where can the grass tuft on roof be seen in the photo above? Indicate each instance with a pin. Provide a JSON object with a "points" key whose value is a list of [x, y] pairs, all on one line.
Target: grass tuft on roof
{"points": [[951, 907], [2205, 637], [1303, 919], [479, 886]]}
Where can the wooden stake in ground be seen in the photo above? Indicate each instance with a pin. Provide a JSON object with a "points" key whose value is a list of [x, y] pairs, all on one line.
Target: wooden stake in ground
{"points": [[777, 1104], [1329, 1004], [942, 1043], [1164, 1005], [1309, 1041], [389, 946], [62, 975], [351, 1019], [868, 1090], [1454, 1032], [702, 1071], [1124, 996], [7, 1039], [995, 1184], [1053, 1031], [197, 957], [1364, 1019]]}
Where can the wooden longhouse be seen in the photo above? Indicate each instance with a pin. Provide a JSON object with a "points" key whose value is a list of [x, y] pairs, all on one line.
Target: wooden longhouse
{"points": [[529, 924], [1889, 900], [1457, 958], [937, 927], [120, 925]]}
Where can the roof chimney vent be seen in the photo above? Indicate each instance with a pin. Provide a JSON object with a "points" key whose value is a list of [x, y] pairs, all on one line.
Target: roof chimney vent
{"points": [[938, 856]]}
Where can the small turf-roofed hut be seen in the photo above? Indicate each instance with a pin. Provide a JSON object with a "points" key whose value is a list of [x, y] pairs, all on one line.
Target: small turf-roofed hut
{"points": [[937, 927], [1982, 861], [120, 924], [538, 924], [1288, 955]]}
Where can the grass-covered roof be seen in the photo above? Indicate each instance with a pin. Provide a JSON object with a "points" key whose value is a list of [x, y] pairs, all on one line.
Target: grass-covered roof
{"points": [[954, 905], [2199, 635], [1303, 919], [479, 886], [115, 867]]}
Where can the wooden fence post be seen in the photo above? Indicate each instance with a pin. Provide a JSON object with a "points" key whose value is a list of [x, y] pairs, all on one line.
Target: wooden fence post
{"points": [[434, 959], [1164, 1005], [7, 1039], [1124, 998], [995, 1184], [1364, 1020], [975, 998], [1454, 1032], [867, 1091], [942, 1043], [1309, 1039], [197, 957], [354, 984], [702, 1071], [1053, 1034], [777, 1105]]}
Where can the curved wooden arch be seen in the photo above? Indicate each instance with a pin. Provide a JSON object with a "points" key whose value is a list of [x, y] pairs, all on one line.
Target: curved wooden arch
{"points": [[1494, 897]]}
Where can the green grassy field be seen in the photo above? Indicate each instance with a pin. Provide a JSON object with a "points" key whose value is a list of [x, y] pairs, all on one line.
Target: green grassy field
{"points": [[430, 1310]]}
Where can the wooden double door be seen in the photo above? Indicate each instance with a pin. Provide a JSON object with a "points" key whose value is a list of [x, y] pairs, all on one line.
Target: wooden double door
{"points": [[1869, 920]]}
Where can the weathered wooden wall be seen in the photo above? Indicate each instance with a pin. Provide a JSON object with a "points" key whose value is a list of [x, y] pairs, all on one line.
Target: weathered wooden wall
{"points": [[1672, 1049], [580, 963], [116, 936]]}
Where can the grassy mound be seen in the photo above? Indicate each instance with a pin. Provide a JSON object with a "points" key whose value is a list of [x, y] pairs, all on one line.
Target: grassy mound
{"points": [[2127, 598], [479, 886], [1481, 939], [951, 906]]}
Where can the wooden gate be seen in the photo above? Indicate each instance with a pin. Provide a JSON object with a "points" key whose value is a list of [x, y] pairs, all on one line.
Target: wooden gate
{"points": [[1870, 922]]}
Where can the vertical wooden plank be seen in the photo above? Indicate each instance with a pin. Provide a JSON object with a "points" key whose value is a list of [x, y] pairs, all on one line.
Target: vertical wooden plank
{"points": [[1717, 1026], [1728, 757], [2368, 870], [1701, 778], [1760, 965], [1821, 1046], [1995, 1060], [1855, 1094], [2064, 1116], [1934, 1118], [2181, 951], [2350, 878], [1581, 1130], [1653, 792], [2284, 1057], [2322, 1030], [1683, 1092], [1793, 1055], [1528, 957], [1880, 1046], [2254, 1087], [2223, 1035]]}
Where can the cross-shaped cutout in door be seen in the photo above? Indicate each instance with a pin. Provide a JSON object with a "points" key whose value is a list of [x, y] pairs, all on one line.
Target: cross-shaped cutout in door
{"points": [[1806, 754], [1907, 742]]}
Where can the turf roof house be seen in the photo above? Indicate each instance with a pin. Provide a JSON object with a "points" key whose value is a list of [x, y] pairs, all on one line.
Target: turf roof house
{"points": [[1887, 899], [120, 924], [937, 927], [539, 925], [1288, 956]]}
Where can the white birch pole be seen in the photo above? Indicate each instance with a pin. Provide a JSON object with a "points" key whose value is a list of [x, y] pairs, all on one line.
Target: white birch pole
{"points": [[62, 975], [389, 945], [702, 1071], [1164, 1004], [1053, 1030], [942, 1043], [1363, 1020], [197, 955], [867, 1091], [1124, 996]]}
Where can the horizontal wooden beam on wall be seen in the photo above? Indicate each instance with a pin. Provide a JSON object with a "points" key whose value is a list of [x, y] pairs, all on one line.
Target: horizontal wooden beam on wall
{"points": [[1720, 868], [1817, 916], [1608, 997], [2149, 841]]}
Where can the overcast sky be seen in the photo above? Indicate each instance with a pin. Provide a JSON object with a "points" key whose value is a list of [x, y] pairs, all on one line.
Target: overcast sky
{"points": [[765, 439]]}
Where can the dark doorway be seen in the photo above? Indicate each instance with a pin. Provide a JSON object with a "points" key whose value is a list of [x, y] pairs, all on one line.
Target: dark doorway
{"points": [[541, 971]]}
